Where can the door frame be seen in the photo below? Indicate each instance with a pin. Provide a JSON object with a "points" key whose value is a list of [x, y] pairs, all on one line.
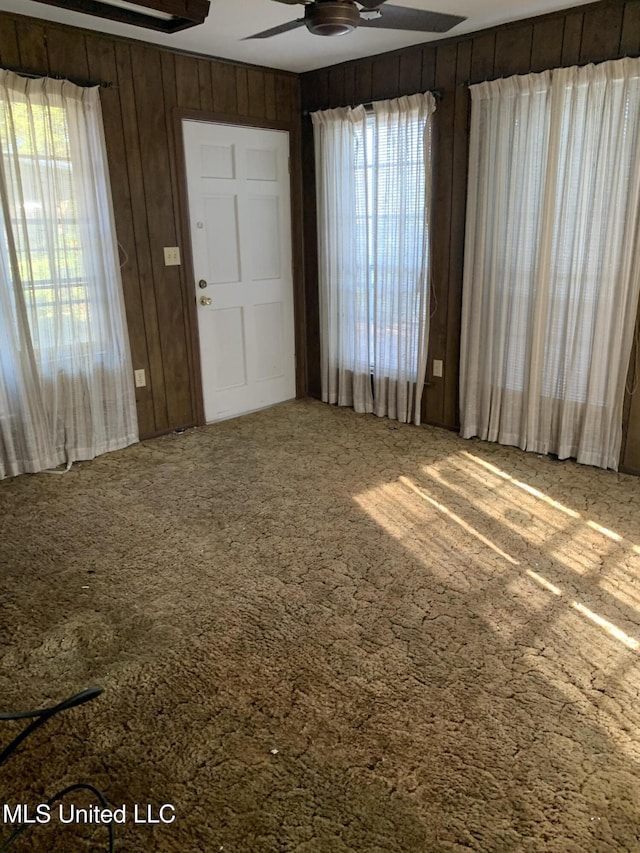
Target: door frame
{"points": [[187, 276]]}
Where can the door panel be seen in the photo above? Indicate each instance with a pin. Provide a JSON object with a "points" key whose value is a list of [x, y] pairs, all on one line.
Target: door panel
{"points": [[240, 216]]}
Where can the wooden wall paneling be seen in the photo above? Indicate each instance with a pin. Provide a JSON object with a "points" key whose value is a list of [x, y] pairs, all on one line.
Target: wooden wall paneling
{"points": [[572, 38], [312, 298], [630, 456], [364, 88], [283, 98], [446, 59], [385, 76], [295, 101], [349, 85], [187, 82], [161, 221], [630, 37], [601, 32], [483, 54], [223, 84], [298, 253], [269, 95], [410, 80], [206, 89], [336, 85], [546, 48], [428, 73], [9, 51], [462, 107], [242, 91], [67, 53], [255, 82], [173, 128], [155, 374], [32, 44], [321, 85], [102, 66], [513, 50]]}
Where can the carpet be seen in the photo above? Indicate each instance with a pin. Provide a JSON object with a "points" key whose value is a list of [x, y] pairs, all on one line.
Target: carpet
{"points": [[324, 632]]}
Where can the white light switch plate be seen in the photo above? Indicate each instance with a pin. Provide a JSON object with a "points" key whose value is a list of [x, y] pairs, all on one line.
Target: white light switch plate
{"points": [[172, 256], [141, 379], [437, 368]]}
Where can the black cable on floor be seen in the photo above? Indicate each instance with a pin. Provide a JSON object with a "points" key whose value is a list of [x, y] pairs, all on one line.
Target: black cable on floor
{"points": [[39, 718], [80, 786], [42, 715]]}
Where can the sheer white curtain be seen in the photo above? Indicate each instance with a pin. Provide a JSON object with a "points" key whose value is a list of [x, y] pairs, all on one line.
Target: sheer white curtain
{"points": [[552, 260], [373, 179], [66, 383]]}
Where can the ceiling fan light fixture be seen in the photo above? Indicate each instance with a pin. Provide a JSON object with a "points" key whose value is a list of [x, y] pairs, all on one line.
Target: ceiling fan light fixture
{"points": [[331, 18], [168, 16]]}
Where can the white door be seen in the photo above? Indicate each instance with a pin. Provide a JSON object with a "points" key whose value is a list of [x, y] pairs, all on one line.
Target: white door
{"points": [[239, 207]]}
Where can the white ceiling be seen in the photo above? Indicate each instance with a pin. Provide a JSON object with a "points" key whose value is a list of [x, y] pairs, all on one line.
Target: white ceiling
{"points": [[230, 21]]}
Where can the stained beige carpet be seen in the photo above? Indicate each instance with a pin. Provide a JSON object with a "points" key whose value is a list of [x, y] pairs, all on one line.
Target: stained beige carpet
{"points": [[439, 638]]}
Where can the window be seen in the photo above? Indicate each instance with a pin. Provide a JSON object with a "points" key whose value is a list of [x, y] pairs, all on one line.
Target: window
{"points": [[374, 190], [44, 223], [392, 227], [66, 383], [552, 274]]}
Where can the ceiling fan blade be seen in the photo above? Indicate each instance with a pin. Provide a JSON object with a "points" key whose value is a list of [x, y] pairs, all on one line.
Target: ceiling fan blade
{"points": [[296, 2], [418, 20], [275, 31]]}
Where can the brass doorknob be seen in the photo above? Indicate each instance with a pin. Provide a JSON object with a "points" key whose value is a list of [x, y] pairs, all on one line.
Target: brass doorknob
{"points": [[205, 300]]}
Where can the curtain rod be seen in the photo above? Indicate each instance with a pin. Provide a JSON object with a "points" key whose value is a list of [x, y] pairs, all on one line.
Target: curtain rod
{"points": [[438, 94], [581, 64], [78, 81]]}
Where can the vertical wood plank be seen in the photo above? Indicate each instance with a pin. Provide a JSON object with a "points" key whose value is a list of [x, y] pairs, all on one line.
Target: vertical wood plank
{"points": [[161, 221], [321, 84], [187, 82], [349, 85], [385, 77], [546, 49], [294, 101], [67, 53], [283, 98], [223, 83], [242, 91], [410, 73], [204, 85], [269, 95], [312, 296], [102, 66], [9, 51], [601, 32], [155, 376], [630, 38], [336, 85], [428, 74], [572, 39], [176, 172], [32, 43], [363, 91], [513, 50], [255, 84], [483, 57], [456, 249], [446, 61]]}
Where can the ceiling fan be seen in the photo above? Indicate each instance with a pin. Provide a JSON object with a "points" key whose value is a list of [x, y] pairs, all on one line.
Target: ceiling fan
{"points": [[339, 17]]}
